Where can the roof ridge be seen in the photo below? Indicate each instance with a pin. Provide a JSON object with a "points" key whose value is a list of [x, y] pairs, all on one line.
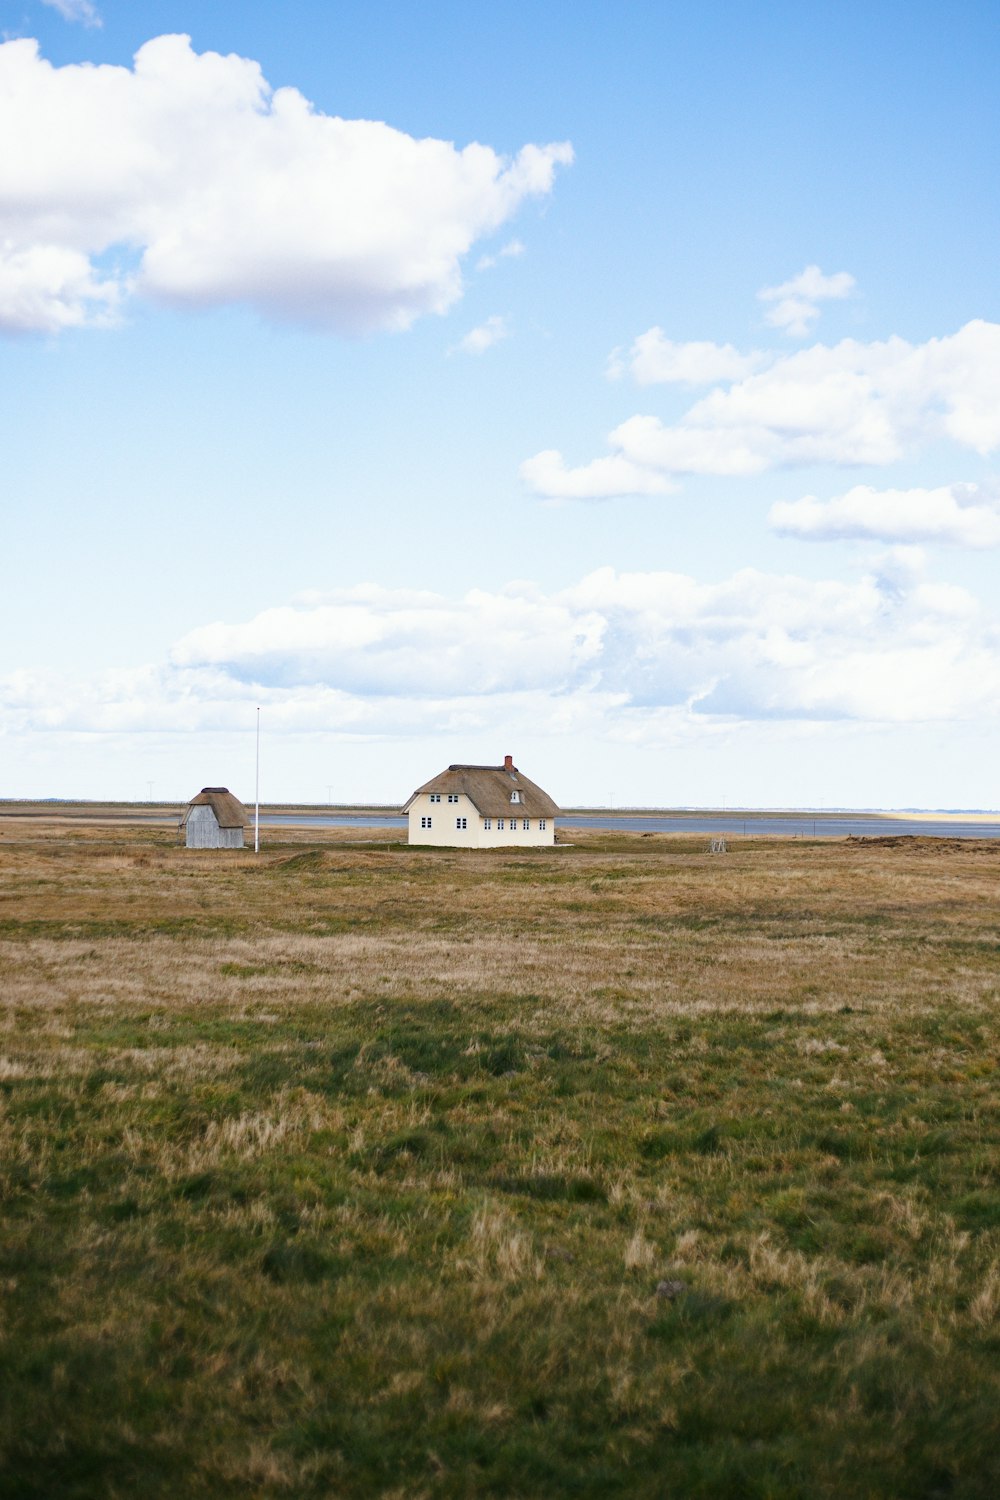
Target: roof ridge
{"points": [[468, 766]]}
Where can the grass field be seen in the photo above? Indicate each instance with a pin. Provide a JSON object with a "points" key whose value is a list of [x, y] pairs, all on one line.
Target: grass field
{"points": [[618, 1169]]}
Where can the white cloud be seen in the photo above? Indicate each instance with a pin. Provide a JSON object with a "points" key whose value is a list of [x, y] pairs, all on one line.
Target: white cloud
{"points": [[478, 340], [511, 251], [846, 404], [654, 359], [225, 191], [796, 303], [547, 474], [960, 515], [76, 10], [633, 658], [45, 289], [404, 643], [759, 646]]}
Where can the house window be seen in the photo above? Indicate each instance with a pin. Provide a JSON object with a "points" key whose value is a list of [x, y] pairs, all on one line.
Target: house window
{"points": [[435, 796], [515, 796], [488, 823], [461, 822], [500, 824], [541, 825], [452, 796], [526, 824], [425, 822]]}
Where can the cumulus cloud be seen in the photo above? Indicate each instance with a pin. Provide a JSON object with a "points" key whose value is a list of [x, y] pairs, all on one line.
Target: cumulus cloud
{"points": [[412, 644], [478, 340], [76, 10], [635, 658], [795, 304], [654, 359], [758, 646], [220, 190], [961, 515], [45, 289], [845, 404]]}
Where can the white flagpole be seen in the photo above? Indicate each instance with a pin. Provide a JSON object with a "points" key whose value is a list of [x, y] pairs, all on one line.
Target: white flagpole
{"points": [[256, 813]]}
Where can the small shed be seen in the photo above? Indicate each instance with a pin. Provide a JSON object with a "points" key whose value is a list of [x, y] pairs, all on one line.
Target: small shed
{"points": [[214, 820]]}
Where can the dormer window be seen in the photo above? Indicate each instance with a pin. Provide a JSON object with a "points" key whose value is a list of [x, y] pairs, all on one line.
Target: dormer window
{"points": [[515, 796]]}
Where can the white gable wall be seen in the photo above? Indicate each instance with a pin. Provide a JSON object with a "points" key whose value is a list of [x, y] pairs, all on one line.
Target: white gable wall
{"points": [[444, 816]]}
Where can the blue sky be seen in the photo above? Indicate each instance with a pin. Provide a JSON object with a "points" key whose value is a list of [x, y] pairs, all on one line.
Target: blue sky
{"points": [[654, 441]]}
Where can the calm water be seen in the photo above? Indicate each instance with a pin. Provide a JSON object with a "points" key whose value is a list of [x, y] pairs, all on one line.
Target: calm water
{"points": [[734, 824]]}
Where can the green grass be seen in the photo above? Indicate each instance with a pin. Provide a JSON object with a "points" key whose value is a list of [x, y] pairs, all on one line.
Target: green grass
{"points": [[367, 1188]]}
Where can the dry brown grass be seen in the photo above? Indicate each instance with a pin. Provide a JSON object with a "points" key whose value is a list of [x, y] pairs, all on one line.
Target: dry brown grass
{"points": [[351, 1169], [574, 924]]}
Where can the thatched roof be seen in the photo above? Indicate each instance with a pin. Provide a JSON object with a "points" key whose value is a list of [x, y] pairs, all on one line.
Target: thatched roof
{"points": [[488, 788], [229, 810]]}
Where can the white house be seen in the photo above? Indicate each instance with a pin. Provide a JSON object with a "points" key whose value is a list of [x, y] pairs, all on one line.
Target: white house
{"points": [[481, 807], [214, 820]]}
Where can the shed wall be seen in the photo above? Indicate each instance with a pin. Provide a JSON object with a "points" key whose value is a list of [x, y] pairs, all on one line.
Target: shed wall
{"points": [[203, 831]]}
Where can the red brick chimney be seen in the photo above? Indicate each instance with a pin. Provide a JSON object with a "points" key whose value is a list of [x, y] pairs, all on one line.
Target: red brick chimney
{"points": [[508, 763]]}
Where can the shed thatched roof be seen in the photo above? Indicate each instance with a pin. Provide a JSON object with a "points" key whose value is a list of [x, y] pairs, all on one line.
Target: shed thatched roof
{"points": [[229, 810], [488, 788]]}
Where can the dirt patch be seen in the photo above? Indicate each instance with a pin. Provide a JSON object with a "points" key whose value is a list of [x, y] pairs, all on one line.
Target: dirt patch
{"points": [[921, 844]]}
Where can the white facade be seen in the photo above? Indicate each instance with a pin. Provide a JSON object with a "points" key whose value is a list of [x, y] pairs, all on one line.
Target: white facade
{"points": [[451, 818]]}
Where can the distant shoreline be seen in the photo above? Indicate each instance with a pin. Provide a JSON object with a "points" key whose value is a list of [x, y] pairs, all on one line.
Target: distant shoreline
{"points": [[161, 812]]}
